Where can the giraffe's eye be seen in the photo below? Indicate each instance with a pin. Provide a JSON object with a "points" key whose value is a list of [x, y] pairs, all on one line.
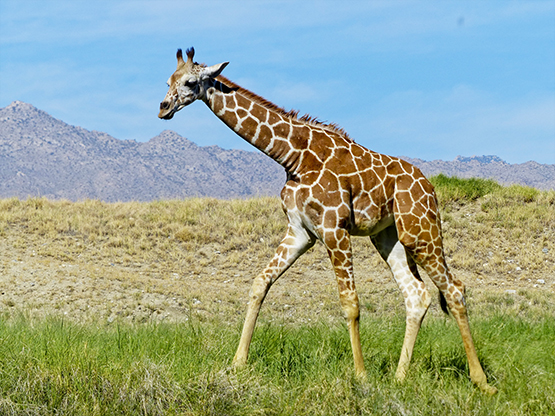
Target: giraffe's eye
{"points": [[190, 83]]}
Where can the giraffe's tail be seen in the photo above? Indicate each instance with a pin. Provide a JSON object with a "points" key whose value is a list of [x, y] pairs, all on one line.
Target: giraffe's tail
{"points": [[443, 303]]}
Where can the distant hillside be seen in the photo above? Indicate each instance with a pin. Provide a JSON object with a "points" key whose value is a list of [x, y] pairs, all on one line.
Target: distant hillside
{"points": [[530, 173], [43, 156]]}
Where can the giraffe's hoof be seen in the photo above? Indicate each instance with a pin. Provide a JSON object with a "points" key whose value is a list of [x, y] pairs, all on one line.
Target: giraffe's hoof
{"points": [[400, 376], [361, 375], [239, 363], [487, 389]]}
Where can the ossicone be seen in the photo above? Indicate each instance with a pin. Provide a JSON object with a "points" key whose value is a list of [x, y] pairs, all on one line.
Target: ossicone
{"points": [[179, 57]]}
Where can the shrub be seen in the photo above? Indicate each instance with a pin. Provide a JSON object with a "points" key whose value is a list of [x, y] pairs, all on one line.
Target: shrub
{"points": [[453, 189]]}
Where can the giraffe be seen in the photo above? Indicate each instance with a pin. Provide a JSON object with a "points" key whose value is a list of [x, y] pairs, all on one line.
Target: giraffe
{"points": [[335, 189]]}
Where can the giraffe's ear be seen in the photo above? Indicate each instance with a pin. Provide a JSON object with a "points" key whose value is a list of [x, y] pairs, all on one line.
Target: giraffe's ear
{"points": [[213, 71]]}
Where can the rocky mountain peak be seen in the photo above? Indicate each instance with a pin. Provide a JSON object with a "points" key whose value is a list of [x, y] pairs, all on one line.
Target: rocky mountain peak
{"points": [[18, 111], [480, 159]]}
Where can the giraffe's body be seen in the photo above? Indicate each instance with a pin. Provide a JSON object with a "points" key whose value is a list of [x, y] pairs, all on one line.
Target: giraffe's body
{"points": [[335, 188]]}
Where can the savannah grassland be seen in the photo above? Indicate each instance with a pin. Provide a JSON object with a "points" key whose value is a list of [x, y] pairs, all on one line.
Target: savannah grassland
{"points": [[136, 308]]}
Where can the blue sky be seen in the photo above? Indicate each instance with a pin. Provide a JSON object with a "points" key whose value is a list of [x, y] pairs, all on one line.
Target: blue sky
{"points": [[426, 79]]}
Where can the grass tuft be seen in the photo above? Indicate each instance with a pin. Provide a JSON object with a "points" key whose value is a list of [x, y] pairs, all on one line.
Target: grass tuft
{"points": [[451, 189]]}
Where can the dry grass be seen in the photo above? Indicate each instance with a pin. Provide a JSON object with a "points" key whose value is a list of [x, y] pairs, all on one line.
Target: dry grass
{"points": [[168, 259], [510, 232]]}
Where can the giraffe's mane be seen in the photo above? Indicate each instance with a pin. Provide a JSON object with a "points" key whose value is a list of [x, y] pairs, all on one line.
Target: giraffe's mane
{"points": [[294, 114]]}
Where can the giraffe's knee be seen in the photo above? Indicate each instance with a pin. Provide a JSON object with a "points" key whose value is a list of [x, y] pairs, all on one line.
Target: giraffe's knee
{"points": [[456, 289], [350, 306], [454, 294], [417, 305], [425, 300], [259, 288]]}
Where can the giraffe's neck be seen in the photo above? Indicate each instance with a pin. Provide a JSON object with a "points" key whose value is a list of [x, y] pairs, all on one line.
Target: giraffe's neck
{"points": [[267, 127]]}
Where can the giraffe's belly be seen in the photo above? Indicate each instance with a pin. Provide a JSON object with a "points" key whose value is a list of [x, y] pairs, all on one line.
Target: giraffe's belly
{"points": [[367, 227]]}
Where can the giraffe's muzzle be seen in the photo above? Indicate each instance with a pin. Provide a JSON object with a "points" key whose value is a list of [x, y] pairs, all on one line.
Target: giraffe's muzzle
{"points": [[166, 110]]}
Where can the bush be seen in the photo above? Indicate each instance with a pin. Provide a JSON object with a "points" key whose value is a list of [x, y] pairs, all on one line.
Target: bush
{"points": [[453, 189]]}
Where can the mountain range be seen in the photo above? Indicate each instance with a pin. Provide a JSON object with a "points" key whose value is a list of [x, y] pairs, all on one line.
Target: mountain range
{"points": [[43, 156]]}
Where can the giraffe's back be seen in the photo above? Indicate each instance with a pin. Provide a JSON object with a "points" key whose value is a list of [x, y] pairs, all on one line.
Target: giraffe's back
{"points": [[379, 187]]}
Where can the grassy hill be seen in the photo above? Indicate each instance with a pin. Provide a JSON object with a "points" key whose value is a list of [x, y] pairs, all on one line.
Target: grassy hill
{"points": [[135, 308]]}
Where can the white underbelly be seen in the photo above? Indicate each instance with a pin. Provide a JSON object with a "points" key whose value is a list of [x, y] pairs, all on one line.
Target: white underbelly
{"points": [[368, 227]]}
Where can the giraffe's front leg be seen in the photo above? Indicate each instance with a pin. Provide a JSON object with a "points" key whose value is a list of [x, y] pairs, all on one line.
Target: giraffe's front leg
{"points": [[295, 243], [338, 244]]}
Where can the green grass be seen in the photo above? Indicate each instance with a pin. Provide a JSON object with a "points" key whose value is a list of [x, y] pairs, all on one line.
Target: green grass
{"points": [[452, 188], [53, 367]]}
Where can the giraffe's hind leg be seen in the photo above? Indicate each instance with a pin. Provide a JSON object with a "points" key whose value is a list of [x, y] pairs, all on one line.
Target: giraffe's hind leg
{"points": [[416, 296], [428, 253], [453, 290]]}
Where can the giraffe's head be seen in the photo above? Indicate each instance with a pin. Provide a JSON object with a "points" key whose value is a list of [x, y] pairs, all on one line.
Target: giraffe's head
{"points": [[187, 84]]}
